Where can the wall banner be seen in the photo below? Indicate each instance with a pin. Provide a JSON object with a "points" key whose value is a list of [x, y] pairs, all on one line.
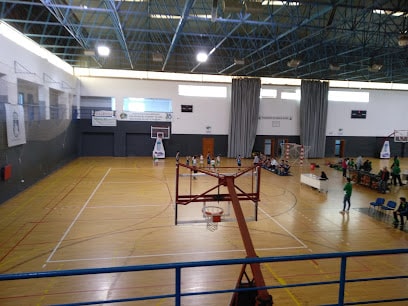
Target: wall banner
{"points": [[147, 116], [15, 124]]}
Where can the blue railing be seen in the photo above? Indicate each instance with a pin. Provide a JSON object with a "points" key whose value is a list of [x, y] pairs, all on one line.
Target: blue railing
{"points": [[177, 267]]}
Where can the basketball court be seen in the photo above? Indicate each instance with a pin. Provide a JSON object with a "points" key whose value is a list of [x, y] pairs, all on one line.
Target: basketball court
{"points": [[104, 212]]}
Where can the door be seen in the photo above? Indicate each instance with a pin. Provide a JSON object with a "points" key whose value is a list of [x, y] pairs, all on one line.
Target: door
{"points": [[339, 148], [281, 142], [208, 146], [269, 147]]}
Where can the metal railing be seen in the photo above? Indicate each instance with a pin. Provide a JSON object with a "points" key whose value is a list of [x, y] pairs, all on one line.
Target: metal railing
{"points": [[177, 267]]}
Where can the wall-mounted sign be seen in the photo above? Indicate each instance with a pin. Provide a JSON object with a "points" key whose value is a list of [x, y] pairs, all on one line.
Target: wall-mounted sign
{"points": [[186, 108], [358, 114]]}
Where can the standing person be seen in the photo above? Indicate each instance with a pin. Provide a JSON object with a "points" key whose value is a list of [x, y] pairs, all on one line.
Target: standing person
{"points": [[239, 162], [396, 174], [194, 164], [396, 161], [256, 159], [208, 160], [344, 166], [201, 161], [359, 162], [401, 211], [218, 161], [384, 177], [348, 189], [177, 157]]}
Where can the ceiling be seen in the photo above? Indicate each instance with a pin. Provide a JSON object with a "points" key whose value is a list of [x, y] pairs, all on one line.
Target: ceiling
{"points": [[326, 39]]}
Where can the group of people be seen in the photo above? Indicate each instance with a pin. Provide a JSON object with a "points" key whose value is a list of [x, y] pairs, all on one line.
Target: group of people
{"points": [[197, 161], [271, 164]]}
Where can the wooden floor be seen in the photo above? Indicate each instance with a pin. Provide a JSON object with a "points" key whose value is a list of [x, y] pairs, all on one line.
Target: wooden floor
{"points": [[104, 212]]}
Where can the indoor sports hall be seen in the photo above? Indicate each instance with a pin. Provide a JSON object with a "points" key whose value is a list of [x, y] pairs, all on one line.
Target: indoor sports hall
{"points": [[203, 152]]}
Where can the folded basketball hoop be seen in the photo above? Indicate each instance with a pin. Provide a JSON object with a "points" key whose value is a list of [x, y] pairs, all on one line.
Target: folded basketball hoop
{"points": [[212, 214]]}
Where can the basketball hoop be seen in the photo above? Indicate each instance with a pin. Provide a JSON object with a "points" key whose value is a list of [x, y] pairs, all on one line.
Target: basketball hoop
{"points": [[212, 214]]}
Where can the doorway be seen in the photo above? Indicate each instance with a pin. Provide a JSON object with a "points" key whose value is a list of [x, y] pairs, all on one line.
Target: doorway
{"points": [[208, 146], [339, 148], [269, 147]]}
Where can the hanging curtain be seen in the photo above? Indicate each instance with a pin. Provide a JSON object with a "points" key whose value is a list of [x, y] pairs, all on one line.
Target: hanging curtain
{"points": [[245, 99], [313, 116]]}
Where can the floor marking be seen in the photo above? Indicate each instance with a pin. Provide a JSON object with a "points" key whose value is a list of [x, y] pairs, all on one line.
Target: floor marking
{"points": [[167, 254], [77, 217], [282, 227], [282, 282]]}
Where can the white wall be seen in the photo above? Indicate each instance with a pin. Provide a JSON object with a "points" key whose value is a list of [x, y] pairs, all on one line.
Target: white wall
{"points": [[386, 111]]}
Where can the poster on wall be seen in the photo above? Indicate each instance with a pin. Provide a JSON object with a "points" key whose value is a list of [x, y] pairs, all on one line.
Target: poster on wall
{"points": [[146, 116], [15, 125]]}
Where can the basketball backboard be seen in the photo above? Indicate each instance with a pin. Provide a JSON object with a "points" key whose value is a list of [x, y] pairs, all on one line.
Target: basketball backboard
{"points": [[197, 193], [164, 132], [400, 135]]}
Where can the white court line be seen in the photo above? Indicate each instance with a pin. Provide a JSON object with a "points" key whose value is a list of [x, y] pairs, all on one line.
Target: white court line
{"points": [[130, 206], [163, 254], [168, 254], [76, 218], [282, 227]]}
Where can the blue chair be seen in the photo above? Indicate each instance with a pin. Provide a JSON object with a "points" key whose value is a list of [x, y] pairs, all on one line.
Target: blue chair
{"points": [[391, 205], [379, 202]]}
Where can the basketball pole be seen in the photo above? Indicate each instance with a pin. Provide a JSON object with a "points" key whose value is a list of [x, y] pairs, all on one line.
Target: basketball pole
{"points": [[263, 298]]}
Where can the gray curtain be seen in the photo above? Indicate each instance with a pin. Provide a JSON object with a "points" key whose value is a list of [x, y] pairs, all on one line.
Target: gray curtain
{"points": [[313, 116], [245, 99]]}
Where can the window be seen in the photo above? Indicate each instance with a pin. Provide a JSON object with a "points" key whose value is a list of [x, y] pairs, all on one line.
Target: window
{"points": [[349, 96], [202, 91], [291, 95], [268, 93], [147, 105]]}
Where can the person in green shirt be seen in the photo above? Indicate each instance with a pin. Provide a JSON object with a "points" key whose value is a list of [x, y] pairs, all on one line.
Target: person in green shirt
{"points": [[348, 189]]}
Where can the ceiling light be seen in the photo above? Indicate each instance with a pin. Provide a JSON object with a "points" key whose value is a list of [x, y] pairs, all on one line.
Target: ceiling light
{"points": [[375, 67], [389, 12], [202, 57], [290, 3], [239, 61], [164, 16], [293, 63], [157, 57], [89, 52], [103, 51], [334, 67], [403, 40]]}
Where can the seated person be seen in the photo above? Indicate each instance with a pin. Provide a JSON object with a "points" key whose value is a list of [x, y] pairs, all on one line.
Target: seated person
{"points": [[285, 169], [281, 167], [274, 164], [323, 176], [401, 211]]}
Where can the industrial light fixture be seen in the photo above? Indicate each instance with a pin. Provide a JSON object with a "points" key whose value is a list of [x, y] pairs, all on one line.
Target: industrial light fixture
{"points": [[403, 40], [279, 3], [202, 57], [89, 52], [334, 67], [239, 61], [103, 51], [375, 67], [293, 63], [157, 57]]}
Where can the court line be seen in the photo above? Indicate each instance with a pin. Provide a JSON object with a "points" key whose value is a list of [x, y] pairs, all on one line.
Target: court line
{"points": [[76, 218], [167, 254], [283, 228]]}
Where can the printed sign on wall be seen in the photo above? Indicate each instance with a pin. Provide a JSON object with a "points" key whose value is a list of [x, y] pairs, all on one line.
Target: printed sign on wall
{"points": [[15, 125]]}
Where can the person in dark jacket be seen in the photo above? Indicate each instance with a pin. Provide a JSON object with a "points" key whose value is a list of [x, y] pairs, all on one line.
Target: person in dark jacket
{"points": [[401, 211]]}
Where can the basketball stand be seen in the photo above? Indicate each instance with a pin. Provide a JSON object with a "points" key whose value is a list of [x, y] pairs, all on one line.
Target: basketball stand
{"points": [[213, 215]]}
